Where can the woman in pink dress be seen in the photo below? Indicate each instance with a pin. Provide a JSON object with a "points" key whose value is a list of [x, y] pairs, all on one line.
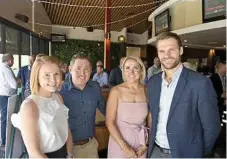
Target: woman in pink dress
{"points": [[127, 116]]}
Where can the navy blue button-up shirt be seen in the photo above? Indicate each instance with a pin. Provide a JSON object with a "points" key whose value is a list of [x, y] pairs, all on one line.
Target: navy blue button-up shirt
{"points": [[82, 106]]}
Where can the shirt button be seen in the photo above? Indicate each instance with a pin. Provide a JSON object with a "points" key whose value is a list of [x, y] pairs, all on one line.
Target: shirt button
{"points": [[82, 102], [84, 112]]}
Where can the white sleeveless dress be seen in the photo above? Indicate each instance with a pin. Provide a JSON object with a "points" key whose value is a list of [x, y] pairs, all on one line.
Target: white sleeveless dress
{"points": [[52, 123]]}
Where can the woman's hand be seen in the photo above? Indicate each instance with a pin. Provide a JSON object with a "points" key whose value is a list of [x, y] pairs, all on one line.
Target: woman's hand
{"points": [[128, 151], [141, 150]]}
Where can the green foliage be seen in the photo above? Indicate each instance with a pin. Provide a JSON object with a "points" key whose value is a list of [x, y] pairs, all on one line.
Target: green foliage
{"points": [[94, 49]]}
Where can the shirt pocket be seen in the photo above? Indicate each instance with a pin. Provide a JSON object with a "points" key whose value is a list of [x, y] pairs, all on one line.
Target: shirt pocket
{"points": [[91, 107], [75, 122]]}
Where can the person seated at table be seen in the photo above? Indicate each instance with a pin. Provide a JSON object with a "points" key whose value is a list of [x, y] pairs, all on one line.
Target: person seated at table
{"points": [[127, 113], [101, 77]]}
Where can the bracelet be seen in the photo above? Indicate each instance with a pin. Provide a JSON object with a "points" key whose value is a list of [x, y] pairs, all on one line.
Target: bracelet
{"points": [[69, 155]]}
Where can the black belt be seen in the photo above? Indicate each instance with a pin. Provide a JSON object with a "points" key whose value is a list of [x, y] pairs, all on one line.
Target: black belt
{"points": [[82, 142], [163, 150]]}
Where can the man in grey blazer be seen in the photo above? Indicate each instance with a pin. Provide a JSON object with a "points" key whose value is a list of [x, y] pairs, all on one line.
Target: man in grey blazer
{"points": [[183, 103]]}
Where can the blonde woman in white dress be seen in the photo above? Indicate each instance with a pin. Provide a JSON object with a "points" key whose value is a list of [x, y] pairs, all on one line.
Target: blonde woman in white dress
{"points": [[42, 118]]}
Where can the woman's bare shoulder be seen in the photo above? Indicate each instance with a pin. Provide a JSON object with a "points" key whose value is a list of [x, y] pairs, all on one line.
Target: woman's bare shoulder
{"points": [[29, 107]]}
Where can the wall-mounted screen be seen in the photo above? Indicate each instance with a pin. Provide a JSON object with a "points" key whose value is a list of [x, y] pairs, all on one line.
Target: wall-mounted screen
{"points": [[162, 22], [58, 38], [214, 10]]}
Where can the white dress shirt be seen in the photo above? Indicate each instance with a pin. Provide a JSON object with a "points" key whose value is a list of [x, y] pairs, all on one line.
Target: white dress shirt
{"points": [[167, 92], [8, 83], [152, 71]]}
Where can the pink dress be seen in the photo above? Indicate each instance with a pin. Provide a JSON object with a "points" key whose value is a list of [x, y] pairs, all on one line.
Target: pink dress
{"points": [[131, 120]]}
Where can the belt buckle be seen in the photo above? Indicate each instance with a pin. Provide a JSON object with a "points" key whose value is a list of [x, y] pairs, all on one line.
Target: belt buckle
{"points": [[163, 150], [166, 151], [82, 142]]}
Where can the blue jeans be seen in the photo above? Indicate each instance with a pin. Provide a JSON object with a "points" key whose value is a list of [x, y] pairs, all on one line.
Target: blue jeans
{"points": [[3, 106]]}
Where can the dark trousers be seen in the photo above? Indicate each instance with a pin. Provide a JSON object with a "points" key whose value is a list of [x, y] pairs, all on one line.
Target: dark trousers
{"points": [[61, 153], [3, 106], [156, 153]]}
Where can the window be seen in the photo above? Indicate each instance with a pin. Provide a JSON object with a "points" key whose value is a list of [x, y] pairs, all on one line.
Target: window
{"points": [[46, 47], [24, 60], [41, 46], [25, 48], [11, 40], [15, 66], [20, 42], [0, 43], [12, 47], [0, 38], [35, 45]]}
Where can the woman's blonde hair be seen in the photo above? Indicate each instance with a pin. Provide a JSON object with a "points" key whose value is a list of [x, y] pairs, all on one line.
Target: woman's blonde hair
{"points": [[142, 67], [34, 78]]}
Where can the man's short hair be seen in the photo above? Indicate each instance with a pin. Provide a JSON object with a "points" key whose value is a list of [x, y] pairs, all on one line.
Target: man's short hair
{"points": [[79, 56], [101, 66], [169, 35], [7, 57]]}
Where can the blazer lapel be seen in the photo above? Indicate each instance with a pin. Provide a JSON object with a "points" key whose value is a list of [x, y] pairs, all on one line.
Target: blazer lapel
{"points": [[158, 90], [156, 93], [155, 101], [178, 92]]}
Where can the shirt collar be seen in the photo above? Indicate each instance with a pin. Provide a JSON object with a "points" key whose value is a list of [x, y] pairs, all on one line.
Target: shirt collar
{"points": [[5, 64], [156, 66], [176, 74], [71, 86]]}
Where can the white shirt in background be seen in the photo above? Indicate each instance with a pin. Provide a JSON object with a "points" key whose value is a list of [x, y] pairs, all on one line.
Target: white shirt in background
{"points": [[8, 83], [153, 70]]}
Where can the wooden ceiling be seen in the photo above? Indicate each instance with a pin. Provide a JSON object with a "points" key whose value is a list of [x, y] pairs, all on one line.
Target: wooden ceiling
{"points": [[82, 17]]}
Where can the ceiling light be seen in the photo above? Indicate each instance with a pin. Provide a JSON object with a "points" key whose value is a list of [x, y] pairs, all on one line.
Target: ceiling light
{"points": [[224, 45], [185, 41], [185, 46]]}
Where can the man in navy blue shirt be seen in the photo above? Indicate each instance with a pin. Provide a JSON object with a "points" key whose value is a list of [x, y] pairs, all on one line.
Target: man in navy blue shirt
{"points": [[24, 72], [82, 96]]}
